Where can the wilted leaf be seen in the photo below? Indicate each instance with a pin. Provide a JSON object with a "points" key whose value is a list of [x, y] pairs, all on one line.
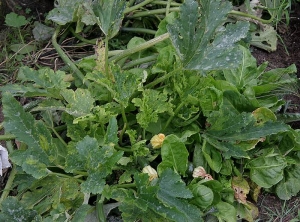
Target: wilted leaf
{"points": [[241, 189]]}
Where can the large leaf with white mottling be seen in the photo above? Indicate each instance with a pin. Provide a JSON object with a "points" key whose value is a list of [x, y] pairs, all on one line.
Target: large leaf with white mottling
{"points": [[201, 40]]}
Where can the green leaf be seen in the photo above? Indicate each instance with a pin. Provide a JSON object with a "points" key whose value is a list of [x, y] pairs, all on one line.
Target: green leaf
{"points": [[14, 20], [96, 160], [112, 131], [152, 103], [65, 11], [80, 101], [290, 185], [124, 85], [244, 127], [82, 213], [34, 160], [59, 193], [203, 196], [246, 74], [13, 210], [225, 211], [171, 184], [43, 78], [174, 155], [266, 171], [109, 15], [200, 41], [211, 100], [213, 157]]}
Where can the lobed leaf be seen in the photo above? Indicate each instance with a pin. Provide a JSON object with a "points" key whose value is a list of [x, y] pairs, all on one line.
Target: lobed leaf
{"points": [[200, 40]]}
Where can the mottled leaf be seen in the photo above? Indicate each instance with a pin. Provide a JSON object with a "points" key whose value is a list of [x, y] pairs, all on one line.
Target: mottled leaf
{"points": [[200, 40]]}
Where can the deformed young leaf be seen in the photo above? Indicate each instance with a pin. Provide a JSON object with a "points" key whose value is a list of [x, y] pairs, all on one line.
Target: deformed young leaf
{"points": [[152, 103], [200, 41]]}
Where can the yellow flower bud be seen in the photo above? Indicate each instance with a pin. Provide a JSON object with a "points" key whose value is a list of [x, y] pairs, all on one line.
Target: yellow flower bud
{"points": [[157, 140], [151, 172]]}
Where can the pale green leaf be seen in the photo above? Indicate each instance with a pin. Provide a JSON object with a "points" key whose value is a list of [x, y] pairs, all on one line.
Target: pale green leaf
{"points": [[93, 184], [64, 12], [174, 155], [246, 74], [44, 78], [112, 131], [200, 41], [152, 103], [80, 102], [13, 210]]}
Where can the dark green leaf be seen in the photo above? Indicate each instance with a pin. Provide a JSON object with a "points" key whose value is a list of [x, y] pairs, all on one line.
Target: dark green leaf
{"points": [[109, 14], [200, 42], [112, 131]]}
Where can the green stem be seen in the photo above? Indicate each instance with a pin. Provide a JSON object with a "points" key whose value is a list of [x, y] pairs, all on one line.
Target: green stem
{"points": [[168, 7], [106, 59], [7, 137], [140, 47], [8, 185], [129, 185], [125, 123], [99, 208], [88, 41], [172, 117], [65, 175], [141, 30], [160, 79], [66, 59], [140, 61], [233, 12], [123, 149], [133, 8], [153, 12], [59, 137], [165, 3]]}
